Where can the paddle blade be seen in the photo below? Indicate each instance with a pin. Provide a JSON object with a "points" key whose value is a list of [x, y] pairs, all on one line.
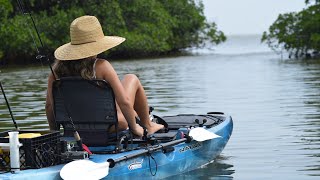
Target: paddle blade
{"points": [[201, 134], [84, 169]]}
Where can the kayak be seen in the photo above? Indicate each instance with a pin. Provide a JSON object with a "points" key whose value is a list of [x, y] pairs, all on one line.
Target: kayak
{"points": [[170, 157]]}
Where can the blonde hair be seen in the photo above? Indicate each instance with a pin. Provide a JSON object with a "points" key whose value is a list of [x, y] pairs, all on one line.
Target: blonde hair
{"points": [[82, 67]]}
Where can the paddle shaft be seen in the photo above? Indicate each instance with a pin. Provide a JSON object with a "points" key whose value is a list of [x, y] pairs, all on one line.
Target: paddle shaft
{"points": [[149, 150], [8, 105]]}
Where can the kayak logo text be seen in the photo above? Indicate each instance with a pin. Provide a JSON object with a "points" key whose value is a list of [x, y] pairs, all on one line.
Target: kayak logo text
{"points": [[194, 146], [135, 165]]}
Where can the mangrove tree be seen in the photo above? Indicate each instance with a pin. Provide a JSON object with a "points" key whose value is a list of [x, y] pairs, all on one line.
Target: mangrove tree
{"points": [[151, 27]]}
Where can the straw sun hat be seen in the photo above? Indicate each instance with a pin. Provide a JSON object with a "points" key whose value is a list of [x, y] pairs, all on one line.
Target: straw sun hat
{"points": [[87, 39]]}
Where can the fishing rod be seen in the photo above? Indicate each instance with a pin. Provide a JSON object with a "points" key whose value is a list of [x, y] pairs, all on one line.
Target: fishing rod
{"points": [[8, 105], [40, 57]]}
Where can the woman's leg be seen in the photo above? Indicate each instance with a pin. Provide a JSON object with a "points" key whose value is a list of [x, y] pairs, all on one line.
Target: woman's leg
{"points": [[136, 94], [122, 123]]}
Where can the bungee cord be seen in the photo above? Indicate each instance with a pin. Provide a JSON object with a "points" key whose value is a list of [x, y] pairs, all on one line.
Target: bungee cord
{"points": [[149, 158]]}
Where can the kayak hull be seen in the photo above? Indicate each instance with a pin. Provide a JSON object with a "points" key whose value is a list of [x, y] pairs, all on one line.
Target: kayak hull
{"points": [[183, 157]]}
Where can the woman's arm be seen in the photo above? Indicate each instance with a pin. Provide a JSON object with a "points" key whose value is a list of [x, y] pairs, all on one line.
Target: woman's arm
{"points": [[49, 104]]}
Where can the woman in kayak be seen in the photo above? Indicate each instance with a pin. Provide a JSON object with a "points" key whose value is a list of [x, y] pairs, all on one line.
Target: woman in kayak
{"points": [[79, 58]]}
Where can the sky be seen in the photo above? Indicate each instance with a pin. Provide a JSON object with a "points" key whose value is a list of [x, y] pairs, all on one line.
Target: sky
{"points": [[236, 17]]}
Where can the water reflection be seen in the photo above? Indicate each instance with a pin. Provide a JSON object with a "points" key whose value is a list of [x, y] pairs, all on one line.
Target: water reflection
{"points": [[217, 170], [309, 124]]}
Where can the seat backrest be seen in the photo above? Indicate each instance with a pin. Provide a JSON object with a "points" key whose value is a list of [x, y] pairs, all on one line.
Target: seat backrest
{"points": [[90, 104]]}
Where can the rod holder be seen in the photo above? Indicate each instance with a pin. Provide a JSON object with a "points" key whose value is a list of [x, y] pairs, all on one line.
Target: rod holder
{"points": [[14, 151]]}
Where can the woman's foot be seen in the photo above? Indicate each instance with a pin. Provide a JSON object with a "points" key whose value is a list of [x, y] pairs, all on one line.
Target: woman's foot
{"points": [[137, 130], [154, 127]]}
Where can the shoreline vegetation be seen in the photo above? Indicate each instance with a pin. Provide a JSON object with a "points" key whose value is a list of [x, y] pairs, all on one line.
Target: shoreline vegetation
{"points": [[298, 33], [151, 27]]}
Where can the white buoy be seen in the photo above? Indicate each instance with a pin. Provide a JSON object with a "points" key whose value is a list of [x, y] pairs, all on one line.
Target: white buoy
{"points": [[14, 151]]}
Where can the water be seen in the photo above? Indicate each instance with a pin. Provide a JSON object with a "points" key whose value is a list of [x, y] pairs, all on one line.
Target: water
{"points": [[275, 104]]}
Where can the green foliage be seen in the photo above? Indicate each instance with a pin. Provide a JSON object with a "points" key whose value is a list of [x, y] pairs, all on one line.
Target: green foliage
{"points": [[151, 27], [297, 33], [148, 28], [283, 33], [189, 26], [310, 1], [5, 9]]}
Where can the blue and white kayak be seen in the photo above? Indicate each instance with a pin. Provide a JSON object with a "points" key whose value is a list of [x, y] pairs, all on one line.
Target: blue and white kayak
{"points": [[153, 162]]}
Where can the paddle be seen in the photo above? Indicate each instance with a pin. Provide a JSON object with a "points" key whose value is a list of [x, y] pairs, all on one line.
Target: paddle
{"points": [[86, 169]]}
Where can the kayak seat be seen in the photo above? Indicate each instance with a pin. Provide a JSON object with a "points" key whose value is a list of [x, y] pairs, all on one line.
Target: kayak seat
{"points": [[91, 106]]}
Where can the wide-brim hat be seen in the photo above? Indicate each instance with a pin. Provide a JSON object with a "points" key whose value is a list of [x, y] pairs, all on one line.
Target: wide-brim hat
{"points": [[87, 39]]}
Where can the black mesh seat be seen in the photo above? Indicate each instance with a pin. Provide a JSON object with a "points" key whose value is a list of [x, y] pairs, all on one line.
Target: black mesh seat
{"points": [[91, 105]]}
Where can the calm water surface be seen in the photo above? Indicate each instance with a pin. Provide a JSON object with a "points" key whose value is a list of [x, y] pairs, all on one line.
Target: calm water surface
{"points": [[275, 105]]}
